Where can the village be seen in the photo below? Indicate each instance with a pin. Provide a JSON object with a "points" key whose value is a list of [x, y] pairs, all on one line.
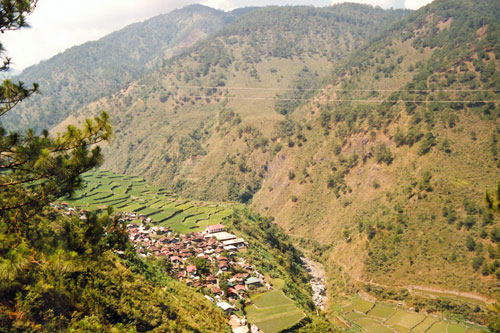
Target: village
{"points": [[211, 261]]}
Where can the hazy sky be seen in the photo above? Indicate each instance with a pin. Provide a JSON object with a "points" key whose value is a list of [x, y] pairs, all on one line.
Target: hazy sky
{"points": [[59, 24]]}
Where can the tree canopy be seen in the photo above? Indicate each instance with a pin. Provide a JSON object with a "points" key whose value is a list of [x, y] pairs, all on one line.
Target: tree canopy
{"points": [[60, 273]]}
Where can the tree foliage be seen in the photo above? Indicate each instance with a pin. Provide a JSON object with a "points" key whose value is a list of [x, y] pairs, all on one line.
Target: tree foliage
{"points": [[59, 273]]}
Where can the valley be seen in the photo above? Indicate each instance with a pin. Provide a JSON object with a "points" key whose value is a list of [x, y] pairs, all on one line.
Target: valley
{"points": [[191, 241], [347, 157], [318, 279]]}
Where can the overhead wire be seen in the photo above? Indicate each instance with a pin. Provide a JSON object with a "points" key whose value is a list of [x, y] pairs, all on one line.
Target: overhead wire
{"points": [[332, 90], [341, 100], [282, 99]]}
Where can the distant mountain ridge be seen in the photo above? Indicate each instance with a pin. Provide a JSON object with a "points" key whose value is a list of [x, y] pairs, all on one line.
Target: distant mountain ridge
{"points": [[280, 47], [85, 73]]}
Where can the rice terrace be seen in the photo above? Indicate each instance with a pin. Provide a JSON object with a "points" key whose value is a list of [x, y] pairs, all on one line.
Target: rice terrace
{"points": [[134, 194], [379, 317], [273, 312]]}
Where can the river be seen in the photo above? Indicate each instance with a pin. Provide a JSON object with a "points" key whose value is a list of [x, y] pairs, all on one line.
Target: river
{"points": [[318, 282]]}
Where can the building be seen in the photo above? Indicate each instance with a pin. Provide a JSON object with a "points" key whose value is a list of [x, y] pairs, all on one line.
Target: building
{"points": [[237, 242], [211, 229], [225, 306], [222, 236], [239, 288], [191, 269], [253, 282]]}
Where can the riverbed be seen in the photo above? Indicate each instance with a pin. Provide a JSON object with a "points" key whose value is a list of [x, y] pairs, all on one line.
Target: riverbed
{"points": [[318, 282]]}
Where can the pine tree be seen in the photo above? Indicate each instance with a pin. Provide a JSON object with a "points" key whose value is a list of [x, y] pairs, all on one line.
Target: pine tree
{"points": [[37, 169]]}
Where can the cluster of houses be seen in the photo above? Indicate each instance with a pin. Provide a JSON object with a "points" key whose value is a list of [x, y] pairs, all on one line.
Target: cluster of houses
{"points": [[207, 260], [211, 260], [65, 209]]}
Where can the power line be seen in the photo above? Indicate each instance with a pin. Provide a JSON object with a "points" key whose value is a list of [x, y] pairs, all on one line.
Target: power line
{"points": [[337, 100], [333, 90]]}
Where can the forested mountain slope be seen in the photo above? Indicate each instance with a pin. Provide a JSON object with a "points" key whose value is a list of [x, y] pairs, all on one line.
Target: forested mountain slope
{"points": [[379, 144], [391, 175], [85, 73], [213, 141]]}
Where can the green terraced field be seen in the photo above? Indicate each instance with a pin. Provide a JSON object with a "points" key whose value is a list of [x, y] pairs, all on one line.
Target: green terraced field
{"points": [[454, 328], [387, 318], [359, 305], [438, 327], [134, 194], [271, 299], [424, 325], [372, 325], [273, 312], [405, 319], [381, 311]]}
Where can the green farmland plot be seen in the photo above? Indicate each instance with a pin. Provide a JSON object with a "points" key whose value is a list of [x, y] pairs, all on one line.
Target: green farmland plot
{"points": [[454, 328], [381, 311], [271, 299], [405, 319], [389, 318], [372, 325], [165, 214], [273, 312], [438, 327], [134, 194], [424, 325], [359, 305]]}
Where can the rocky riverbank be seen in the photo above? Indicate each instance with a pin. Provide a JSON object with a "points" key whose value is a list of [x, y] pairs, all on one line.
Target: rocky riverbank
{"points": [[318, 282]]}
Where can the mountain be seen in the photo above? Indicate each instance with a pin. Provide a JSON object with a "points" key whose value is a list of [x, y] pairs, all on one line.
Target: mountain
{"points": [[389, 177], [370, 136], [85, 73], [211, 142]]}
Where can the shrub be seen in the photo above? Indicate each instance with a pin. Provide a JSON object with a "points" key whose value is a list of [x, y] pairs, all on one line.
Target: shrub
{"points": [[371, 231], [477, 262], [445, 146], [469, 221], [470, 243], [426, 145], [425, 183], [495, 234], [382, 153]]}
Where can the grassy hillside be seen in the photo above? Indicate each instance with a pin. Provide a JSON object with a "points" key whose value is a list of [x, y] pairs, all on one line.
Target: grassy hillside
{"points": [[212, 142], [385, 168], [68, 277], [395, 190], [85, 73]]}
